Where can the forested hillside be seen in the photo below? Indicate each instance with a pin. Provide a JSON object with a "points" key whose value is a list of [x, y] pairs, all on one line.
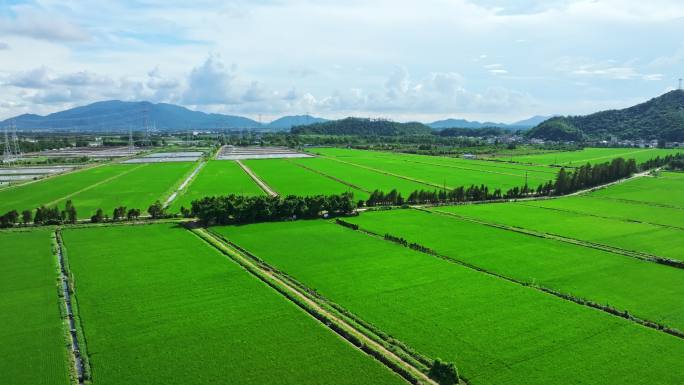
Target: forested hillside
{"points": [[362, 126], [660, 118]]}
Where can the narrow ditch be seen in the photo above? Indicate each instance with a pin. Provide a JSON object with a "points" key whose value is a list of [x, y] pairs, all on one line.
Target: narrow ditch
{"points": [[75, 349]]}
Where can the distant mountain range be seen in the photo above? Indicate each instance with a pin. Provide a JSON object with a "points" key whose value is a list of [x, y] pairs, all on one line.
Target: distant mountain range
{"points": [[462, 123], [120, 115], [116, 115], [660, 118]]}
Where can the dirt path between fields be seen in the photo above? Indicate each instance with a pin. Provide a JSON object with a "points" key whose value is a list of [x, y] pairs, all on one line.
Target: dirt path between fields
{"points": [[187, 180], [267, 189], [265, 274]]}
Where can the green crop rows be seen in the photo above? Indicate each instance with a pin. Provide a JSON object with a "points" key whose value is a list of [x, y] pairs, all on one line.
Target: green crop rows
{"points": [[287, 178], [33, 345], [497, 331], [666, 190], [641, 237], [645, 289], [591, 155], [361, 177], [159, 306], [443, 172], [610, 208], [106, 187], [217, 177]]}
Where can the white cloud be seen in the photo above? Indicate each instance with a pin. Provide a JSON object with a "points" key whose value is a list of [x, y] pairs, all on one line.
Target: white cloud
{"points": [[211, 83], [38, 24], [609, 69], [459, 53]]}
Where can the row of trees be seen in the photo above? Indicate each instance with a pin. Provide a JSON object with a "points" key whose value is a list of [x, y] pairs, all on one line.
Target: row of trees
{"points": [[54, 216], [241, 209], [43, 216], [588, 176], [668, 161]]}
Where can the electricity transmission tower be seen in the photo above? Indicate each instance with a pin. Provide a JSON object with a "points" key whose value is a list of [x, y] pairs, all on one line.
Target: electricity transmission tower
{"points": [[7, 154], [131, 146], [15, 141]]}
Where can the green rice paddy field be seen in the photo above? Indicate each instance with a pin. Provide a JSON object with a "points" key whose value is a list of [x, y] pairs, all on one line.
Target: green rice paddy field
{"points": [[363, 178], [159, 306], [286, 178], [33, 344], [665, 190], [647, 290], [646, 238], [592, 155], [496, 331], [217, 177], [642, 214], [439, 172], [615, 209], [106, 187]]}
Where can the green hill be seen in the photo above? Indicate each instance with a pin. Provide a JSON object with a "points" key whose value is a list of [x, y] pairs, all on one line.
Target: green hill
{"points": [[660, 118], [364, 127]]}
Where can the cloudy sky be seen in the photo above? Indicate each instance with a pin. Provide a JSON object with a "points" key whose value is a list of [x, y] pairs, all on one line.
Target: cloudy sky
{"points": [[490, 60]]}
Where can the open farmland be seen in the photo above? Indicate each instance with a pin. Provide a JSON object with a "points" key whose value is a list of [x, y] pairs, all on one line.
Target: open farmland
{"points": [[440, 172], [31, 195], [33, 347], [159, 306], [633, 236], [648, 290], [214, 179], [591, 155], [363, 178], [138, 187], [665, 190], [610, 208], [106, 187], [286, 178], [496, 331]]}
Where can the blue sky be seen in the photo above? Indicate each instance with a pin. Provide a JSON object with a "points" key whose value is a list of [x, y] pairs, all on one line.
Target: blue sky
{"points": [[405, 60]]}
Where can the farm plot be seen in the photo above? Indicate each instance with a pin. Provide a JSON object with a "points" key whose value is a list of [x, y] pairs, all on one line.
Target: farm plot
{"points": [[627, 211], [592, 155], [535, 173], [496, 331], [287, 178], [665, 190], [640, 237], [31, 195], [138, 187], [159, 306], [32, 339], [365, 179], [429, 171], [217, 178], [648, 290]]}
